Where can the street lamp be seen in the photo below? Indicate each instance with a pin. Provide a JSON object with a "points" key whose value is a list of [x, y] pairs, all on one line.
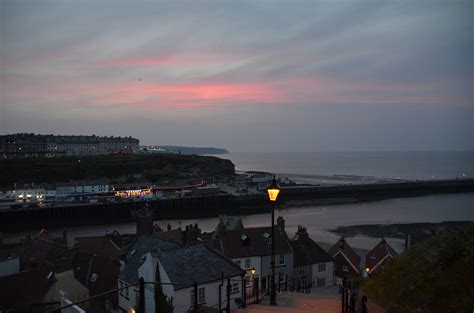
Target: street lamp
{"points": [[273, 191]]}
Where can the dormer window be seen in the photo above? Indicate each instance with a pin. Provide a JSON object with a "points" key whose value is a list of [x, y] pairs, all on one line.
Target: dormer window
{"points": [[245, 240], [94, 277], [267, 238]]}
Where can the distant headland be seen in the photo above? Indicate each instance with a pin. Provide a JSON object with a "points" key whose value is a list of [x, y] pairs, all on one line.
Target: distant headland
{"points": [[183, 150]]}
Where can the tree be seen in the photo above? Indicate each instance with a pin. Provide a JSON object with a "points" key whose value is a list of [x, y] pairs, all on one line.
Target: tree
{"points": [[163, 304], [435, 276]]}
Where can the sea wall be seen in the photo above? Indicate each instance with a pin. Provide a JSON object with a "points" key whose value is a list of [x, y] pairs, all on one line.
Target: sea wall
{"points": [[13, 220]]}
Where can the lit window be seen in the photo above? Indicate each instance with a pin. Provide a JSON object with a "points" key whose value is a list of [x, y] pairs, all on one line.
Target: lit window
{"points": [[281, 260], [322, 267], [247, 263]]}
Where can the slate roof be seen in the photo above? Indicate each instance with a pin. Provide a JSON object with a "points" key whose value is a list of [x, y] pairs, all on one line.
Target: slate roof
{"points": [[378, 253], [45, 250], [196, 263], [174, 235], [308, 252], [141, 245], [343, 247], [231, 245]]}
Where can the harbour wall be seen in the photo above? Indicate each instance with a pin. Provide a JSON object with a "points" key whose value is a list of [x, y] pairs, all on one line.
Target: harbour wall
{"points": [[21, 219]]}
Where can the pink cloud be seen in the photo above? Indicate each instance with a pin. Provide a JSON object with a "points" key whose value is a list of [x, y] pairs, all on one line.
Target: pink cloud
{"points": [[203, 94]]}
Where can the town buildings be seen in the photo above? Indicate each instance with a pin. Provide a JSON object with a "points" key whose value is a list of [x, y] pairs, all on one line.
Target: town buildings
{"points": [[312, 265], [347, 262], [221, 270], [378, 256], [31, 145], [250, 248]]}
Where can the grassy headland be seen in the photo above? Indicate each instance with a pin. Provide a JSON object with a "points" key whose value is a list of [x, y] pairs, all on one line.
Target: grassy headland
{"points": [[118, 168]]}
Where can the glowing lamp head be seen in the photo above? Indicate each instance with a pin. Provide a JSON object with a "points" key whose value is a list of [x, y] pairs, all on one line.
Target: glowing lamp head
{"points": [[273, 190], [367, 269], [253, 271]]}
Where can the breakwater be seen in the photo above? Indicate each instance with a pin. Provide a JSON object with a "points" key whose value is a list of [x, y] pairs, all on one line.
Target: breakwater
{"points": [[14, 220]]}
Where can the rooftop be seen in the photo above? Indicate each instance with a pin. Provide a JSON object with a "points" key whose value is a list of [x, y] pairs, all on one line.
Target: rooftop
{"points": [[141, 245], [255, 241], [197, 263], [343, 247]]}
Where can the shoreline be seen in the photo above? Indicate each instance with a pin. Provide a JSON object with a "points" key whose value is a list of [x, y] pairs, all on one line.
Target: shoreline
{"points": [[399, 230]]}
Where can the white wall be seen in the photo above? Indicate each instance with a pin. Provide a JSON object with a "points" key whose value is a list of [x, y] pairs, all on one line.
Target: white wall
{"points": [[328, 274], [255, 262], [125, 303], [182, 299]]}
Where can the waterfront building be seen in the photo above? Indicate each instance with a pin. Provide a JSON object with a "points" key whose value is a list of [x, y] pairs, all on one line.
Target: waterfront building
{"points": [[312, 265], [32, 145], [347, 262], [67, 190], [378, 256]]}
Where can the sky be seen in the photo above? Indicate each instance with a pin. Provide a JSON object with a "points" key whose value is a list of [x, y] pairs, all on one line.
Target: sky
{"points": [[243, 75]]}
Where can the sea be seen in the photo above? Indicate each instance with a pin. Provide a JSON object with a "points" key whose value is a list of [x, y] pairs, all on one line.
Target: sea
{"points": [[341, 168], [349, 167]]}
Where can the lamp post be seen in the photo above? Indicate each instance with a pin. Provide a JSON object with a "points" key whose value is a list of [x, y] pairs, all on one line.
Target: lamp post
{"points": [[273, 191]]}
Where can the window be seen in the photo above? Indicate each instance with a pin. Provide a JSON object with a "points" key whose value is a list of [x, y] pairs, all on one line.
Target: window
{"points": [[235, 287], [322, 267], [303, 271], [201, 295], [247, 263], [281, 277], [321, 282], [237, 262], [281, 260], [345, 268]]}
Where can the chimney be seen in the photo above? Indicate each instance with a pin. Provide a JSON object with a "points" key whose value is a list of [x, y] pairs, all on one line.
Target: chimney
{"points": [[301, 234], [191, 234], [281, 223], [145, 221]]}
